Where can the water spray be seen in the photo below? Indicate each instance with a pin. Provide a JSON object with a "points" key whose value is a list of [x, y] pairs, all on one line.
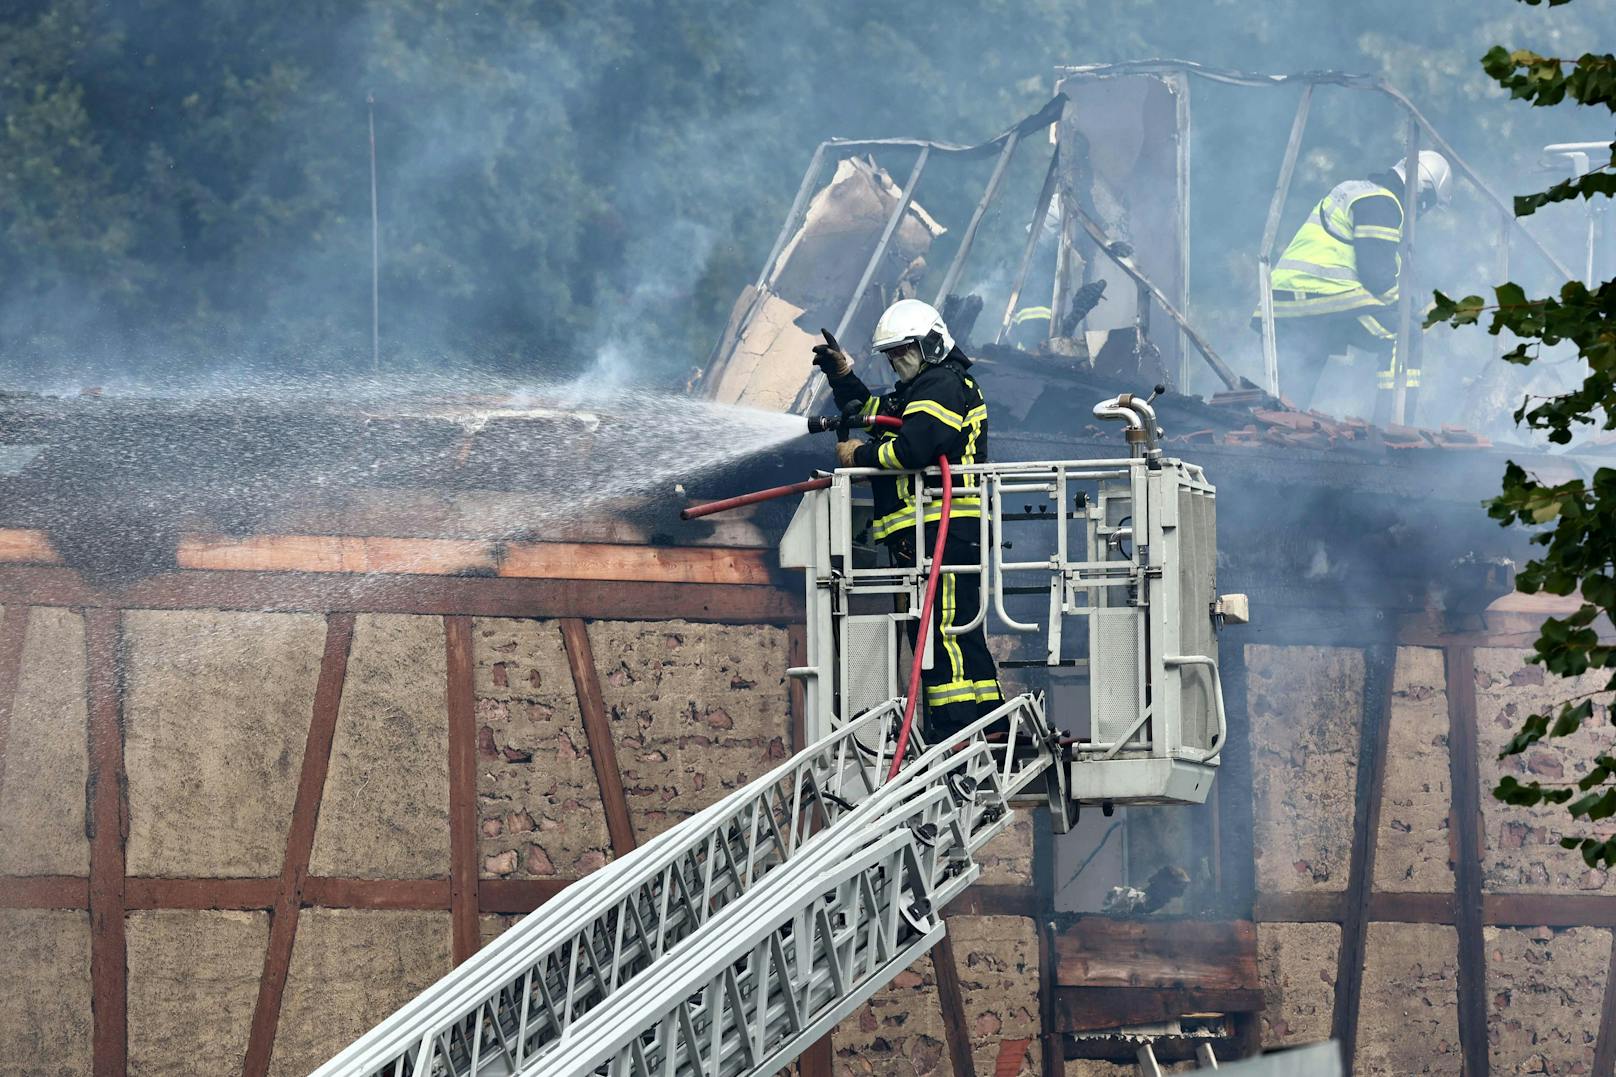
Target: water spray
{"points": [[852, 418], [841, 425]]}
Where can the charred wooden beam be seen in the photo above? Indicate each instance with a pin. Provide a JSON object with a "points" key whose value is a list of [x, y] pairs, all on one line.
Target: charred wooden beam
{"points": [[284, 592], [1102, 952]]}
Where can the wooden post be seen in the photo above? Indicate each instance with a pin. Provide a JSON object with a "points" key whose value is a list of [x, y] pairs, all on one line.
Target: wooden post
{"points": [[463, 909], [952, 999], [1605, 1046], [1466, 834], [107, 820], [1379, 667], [13, 631], [598, 732]]}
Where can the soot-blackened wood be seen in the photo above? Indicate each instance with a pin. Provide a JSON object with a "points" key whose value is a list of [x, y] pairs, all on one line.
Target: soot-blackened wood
{"points": [[1380, 663], [1049, 1034], [1299, 908], [598, 732], [299, 843], [13, 630], [952, 1000], [518, 896], [995, 899], [107, 820], [1548, 910], [1233, 792], [474, 596], [1412, 908], [1098, 951], [1466, 830], [1605, 1046], [462, 788], [819, 1060], [1094, 1009]]}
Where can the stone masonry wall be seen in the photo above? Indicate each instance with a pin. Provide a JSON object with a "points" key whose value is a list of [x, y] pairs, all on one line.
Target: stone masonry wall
{"points": [[1412, 847], [1303, 705], [1408, 1016], [1544, 987], [1522, 849], [1544, 992], [1297, 963], [697, 711], [537, 796], [899, 1031]]}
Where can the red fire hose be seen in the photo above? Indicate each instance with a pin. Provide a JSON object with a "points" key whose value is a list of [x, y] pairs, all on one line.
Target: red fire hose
{"points": [[925, 617], [891, 422]]}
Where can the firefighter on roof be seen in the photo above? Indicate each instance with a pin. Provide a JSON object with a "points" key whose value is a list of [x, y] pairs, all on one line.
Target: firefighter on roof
{"points": [[1335, 285], [943, 411]]}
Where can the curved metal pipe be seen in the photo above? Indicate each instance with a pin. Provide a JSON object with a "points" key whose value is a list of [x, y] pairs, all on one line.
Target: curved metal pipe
{"points": [[1114, 409], [1147, 416]]}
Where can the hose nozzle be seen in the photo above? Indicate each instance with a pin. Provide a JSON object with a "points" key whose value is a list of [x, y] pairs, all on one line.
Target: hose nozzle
{"points": [[824, 424]]}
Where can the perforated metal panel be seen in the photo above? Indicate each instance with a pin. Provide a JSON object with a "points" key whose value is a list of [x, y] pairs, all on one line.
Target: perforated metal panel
{"points": [[1114, 690], [1197, 581], [868, 662]]}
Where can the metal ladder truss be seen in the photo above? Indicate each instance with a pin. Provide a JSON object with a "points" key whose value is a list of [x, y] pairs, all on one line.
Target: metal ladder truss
{"points": [[773, 972], [530, 988]]}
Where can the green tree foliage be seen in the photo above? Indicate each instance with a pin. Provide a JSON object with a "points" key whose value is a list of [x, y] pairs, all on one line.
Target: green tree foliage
{"points": [[1576, 519]]}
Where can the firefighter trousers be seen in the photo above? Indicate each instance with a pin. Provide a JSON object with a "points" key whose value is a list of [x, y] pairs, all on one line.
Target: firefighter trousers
{"points": [[963, 681]]}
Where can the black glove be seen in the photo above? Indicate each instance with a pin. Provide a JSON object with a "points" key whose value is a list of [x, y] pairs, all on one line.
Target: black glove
{"points": [[830, 358]]}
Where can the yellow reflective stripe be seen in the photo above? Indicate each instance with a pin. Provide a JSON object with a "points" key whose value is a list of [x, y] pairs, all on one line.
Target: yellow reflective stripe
{"points": [[968, 507], [978, 414], [952, 692], [1374, 327], [870, 404], [951, 419], [1027, 314], [1315, 269], [956, 657], [1377, 231], [1338, 303], [988, 691], [887, 455], [1387, 379]]}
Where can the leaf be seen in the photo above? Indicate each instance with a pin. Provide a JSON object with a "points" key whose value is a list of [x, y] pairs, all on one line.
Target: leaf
{"points": [[1594, 806], [1571, 718]]}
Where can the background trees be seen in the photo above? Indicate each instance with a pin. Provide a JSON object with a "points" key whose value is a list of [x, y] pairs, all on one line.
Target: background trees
{"points": [[184, 186], [1577, 518]]}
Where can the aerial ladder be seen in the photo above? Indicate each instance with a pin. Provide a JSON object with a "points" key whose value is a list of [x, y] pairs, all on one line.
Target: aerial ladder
{"points": [[731, 942]]}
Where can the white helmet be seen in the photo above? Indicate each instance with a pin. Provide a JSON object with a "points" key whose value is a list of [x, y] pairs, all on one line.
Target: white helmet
{"points": [[1436, 177], [909, 321]]}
